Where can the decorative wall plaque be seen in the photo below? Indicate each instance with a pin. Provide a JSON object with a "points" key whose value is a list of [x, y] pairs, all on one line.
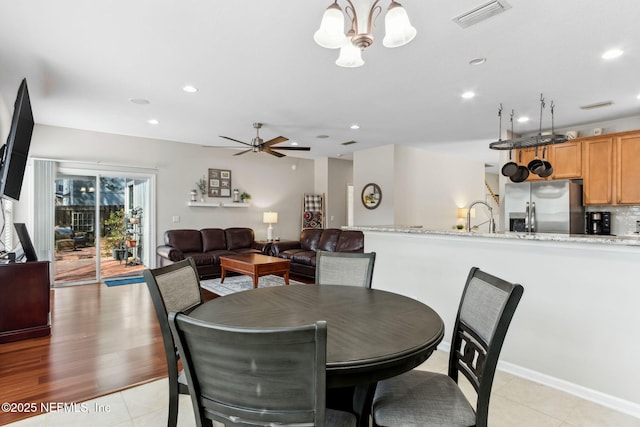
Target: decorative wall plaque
{"points": [[219, 183]]}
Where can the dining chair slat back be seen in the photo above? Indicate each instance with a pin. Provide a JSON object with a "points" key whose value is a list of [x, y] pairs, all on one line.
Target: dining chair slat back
{"points": [[425, 398], [345, 268], [174, 287], [256, 376]]}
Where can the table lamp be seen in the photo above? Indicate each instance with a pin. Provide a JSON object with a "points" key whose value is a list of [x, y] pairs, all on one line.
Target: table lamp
{"points": [[270, 218], [462, 215]]}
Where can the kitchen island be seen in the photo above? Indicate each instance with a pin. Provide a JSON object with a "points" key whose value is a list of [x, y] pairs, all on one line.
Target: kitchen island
{"points": [[576, 326]]}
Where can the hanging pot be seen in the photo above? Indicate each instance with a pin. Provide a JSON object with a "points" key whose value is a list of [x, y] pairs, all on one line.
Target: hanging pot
{"points": [[509, 168], [548, 169], [522, 173]]}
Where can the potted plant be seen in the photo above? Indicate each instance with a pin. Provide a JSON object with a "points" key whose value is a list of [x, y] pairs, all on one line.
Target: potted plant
{"points": [[245, 197], [202, 186], [115, 234]]}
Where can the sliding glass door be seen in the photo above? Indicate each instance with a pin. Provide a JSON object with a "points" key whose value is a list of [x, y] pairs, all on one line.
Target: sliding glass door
{"points": [[101, 226]]}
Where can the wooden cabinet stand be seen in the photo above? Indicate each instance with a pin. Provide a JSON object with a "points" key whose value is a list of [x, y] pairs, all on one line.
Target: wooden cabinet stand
{"points": [[24, 301]]}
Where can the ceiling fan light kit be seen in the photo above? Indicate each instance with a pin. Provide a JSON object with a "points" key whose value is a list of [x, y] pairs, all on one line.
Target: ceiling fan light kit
{"points": [[331, 34]]}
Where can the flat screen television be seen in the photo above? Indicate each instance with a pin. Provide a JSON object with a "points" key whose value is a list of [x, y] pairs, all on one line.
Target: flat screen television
{"points": [[13, 154], [28, 251]]}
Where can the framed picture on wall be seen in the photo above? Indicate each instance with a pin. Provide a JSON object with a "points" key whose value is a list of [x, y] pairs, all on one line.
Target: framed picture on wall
{"points": [[219, 183]]}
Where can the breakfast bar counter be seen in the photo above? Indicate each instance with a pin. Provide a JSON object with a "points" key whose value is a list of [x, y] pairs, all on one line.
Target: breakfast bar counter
{"points": [[626, 240], [576, 324]]}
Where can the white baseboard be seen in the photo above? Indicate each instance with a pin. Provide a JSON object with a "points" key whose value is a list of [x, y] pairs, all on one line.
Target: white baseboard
{"points": [[595, 396]]}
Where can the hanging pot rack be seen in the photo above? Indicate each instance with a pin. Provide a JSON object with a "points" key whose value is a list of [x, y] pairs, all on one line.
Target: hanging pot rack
{"points": [[529, 141]]}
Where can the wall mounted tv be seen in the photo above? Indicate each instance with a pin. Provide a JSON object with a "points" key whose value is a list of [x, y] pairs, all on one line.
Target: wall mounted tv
{"points": [[13, 154]]}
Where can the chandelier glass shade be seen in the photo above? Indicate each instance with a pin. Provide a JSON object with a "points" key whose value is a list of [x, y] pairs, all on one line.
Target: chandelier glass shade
{"points": [[362, 16]]}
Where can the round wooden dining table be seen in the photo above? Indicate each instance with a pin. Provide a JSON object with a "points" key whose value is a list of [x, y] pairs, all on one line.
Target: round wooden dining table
{"points": [[371, 334]]}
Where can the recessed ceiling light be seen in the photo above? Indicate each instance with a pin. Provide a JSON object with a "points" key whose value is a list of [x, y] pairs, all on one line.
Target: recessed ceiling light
{"points": [[294, 143], [638, 96], [153, 121], [613, 53], [523, 119], [139, 101], [190, 89], [355, 126], [477, 61], [468, 95]]}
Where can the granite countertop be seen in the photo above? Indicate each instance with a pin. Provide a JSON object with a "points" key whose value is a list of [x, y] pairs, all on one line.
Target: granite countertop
{"points": [[627, 240]]}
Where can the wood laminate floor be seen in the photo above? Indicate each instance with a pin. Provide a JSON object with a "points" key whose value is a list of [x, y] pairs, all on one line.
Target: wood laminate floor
{"points": [[103, 339]]}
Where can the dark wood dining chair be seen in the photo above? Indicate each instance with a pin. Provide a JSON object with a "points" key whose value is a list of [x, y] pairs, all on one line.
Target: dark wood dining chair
{"points": [[426, 399], [174, 287], [345, 268], [256, 376]]}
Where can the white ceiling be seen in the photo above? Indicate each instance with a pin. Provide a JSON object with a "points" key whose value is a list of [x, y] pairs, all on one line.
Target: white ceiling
{"points": [[256, 61]]}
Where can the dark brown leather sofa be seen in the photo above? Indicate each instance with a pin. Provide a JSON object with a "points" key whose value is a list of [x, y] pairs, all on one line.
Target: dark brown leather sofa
{"points": [[206, 246], [303, 253]]}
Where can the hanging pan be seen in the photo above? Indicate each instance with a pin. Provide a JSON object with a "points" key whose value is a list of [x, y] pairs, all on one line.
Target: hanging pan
{"points": [[548, 169], [511, 167], [522, 173], [536, 165]]}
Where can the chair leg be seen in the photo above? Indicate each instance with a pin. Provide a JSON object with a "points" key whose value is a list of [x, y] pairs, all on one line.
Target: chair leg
{"points": [[172, 420]]}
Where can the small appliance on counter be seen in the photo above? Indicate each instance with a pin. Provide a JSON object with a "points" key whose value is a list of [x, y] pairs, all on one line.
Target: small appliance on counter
{"points": [[598, 223]]}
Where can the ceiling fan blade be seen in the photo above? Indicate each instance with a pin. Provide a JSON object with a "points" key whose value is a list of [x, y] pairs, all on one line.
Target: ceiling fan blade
{"points": [[242, 152], [273, 153], [292, 148], [231, 139], [275, 140]]}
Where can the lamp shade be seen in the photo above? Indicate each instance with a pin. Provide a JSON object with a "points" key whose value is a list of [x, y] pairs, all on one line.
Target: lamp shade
{"points": [[331, 31], [350, 56], [462, 212], [398, 29], [270, 217]]}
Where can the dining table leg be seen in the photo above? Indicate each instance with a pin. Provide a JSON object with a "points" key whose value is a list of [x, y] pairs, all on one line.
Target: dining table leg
{"points": [[362, 401], [355, 399]]}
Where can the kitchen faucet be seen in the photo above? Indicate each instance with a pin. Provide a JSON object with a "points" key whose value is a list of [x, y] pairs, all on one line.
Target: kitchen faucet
{"points": [[492, 223]]}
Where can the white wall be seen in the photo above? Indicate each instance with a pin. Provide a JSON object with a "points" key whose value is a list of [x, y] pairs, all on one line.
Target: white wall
{"points": [[374, 165], [271, 181], [576, 324], [419, 187], [340, 176]]}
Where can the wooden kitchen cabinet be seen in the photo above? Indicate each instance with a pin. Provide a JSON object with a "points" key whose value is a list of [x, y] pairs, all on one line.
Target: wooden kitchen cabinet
{"points": [[627, 168], [610, 169], [597, 170], [566, 159]]}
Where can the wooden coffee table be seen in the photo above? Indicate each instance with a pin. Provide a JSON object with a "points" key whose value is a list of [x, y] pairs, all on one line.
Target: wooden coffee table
{"points": [[254, 265]]}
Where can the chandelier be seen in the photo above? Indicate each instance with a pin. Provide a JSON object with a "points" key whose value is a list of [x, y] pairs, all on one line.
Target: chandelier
{"points": [[331, 34]]}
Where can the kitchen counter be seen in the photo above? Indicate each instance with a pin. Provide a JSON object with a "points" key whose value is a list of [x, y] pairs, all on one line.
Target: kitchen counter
{"points": [[627, 240], [573, 325]]}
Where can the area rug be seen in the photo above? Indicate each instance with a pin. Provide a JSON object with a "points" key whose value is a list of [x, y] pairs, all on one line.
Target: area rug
{"points": [[242, 283], [124, 281]]}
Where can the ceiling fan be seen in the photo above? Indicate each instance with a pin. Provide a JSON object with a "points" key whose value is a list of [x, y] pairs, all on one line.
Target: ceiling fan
{"points": [[259, 145]]}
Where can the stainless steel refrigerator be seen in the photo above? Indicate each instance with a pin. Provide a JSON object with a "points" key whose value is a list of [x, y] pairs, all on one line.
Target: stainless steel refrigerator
{"points": [[544, 207]]}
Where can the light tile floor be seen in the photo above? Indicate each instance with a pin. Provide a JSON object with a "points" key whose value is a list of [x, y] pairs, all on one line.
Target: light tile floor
{"points": [[514, 402]]}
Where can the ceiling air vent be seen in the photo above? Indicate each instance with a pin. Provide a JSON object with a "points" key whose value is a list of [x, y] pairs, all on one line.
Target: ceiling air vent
{"points": [[349, 142], [481, 13], [596, 105]]}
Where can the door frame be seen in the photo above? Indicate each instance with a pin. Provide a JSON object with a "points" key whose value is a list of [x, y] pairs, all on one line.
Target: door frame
{"points": [[149, 209]]}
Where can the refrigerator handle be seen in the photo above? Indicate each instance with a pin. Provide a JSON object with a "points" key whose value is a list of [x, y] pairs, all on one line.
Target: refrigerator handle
{"points": [[533, 217], [526, 218]]}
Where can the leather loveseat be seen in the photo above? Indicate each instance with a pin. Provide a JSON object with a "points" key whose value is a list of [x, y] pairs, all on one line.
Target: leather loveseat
{"points": [[303, 253], [206, 246]]}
